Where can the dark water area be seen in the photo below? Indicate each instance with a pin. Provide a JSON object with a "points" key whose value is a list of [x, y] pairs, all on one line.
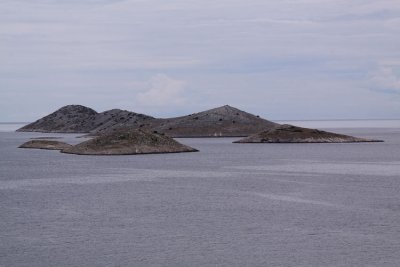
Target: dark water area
{"points": [[227, 205]]}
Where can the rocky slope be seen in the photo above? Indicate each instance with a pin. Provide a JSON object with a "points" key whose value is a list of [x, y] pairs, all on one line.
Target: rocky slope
{"points": [[293, 134], [109, 120], [222, 121], [128, 142], [45, 144]]}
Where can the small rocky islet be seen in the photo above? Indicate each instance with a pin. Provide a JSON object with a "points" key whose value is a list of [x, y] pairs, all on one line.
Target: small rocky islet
{"points": [[292, 134], [128, 142]]}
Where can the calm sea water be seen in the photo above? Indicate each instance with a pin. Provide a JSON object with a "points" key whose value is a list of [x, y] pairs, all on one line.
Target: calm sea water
{"points": [[227, 205]]}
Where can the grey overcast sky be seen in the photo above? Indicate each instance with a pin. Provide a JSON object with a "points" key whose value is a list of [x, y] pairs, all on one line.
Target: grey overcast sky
{"points": [[281, 59]]}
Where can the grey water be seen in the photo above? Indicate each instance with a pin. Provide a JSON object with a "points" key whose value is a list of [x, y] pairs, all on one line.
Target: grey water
{"points": [[227, 205]]}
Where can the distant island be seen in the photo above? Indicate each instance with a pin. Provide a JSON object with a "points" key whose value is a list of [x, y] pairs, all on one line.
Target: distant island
{"points": [[225, 121]]}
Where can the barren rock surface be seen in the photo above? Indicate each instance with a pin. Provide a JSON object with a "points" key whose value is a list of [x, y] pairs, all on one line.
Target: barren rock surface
{"points": [[45, 144], [293, 134], [128, 142]]}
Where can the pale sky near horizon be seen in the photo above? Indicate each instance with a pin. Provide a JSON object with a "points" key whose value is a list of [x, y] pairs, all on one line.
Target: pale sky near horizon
{"points": [[286, 59]]}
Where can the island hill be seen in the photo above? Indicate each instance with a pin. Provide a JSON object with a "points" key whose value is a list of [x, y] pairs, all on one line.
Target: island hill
{"points": [[225, 121]]}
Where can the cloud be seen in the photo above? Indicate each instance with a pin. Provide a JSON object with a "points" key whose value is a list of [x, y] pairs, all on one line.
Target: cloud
{"points": [[386, 79], [163, 91], [213, 53]]}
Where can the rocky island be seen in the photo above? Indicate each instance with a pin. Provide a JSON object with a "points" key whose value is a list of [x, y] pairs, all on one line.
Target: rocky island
{"points": [[218, 122], [128, 142], [292, 134], [45, 144]]}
